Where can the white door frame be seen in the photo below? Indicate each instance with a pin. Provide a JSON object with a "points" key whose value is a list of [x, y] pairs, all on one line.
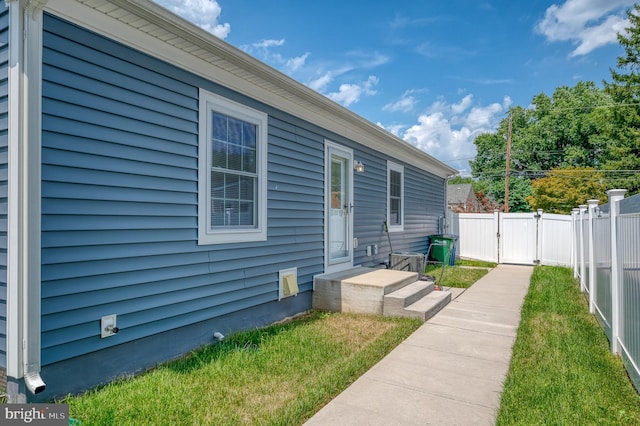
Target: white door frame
{"points": [[344, 262]]}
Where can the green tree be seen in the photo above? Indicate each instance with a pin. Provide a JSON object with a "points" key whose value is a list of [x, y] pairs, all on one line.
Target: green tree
{"points": [[624, 151], [565, 129], [457, 180], [563, 189], [489, 166], [568, 129]]}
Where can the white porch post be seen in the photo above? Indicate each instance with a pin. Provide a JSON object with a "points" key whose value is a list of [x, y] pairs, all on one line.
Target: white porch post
{"points": [[615, 195], [592, 204]]}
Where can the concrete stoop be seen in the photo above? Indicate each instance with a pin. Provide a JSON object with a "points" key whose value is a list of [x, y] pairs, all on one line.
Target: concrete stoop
{"points": [[378, 291], [416, 300]]}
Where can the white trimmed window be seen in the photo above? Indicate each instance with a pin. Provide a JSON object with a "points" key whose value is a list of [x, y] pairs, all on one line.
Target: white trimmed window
{"points": [[395, 196], [232, 172]]}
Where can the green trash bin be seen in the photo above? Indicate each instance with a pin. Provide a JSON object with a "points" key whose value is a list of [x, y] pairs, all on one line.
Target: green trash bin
{"points": [[441, 248]]}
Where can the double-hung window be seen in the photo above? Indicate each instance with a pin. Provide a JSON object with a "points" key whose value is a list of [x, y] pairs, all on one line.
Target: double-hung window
{"points": [[232, 175], [395, 196]]}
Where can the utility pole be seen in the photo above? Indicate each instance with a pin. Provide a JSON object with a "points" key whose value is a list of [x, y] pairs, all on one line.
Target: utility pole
{"points": [[508, 169]]}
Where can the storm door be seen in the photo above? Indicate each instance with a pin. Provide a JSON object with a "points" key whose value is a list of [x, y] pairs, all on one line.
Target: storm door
{"points": [[338, 207]]}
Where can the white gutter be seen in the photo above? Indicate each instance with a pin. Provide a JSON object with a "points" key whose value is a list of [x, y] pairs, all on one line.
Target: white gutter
{"points": [[23, 215], [446, 226]]}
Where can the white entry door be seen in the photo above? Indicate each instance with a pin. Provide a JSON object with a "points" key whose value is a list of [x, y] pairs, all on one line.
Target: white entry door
{"points": [[338, 207]]}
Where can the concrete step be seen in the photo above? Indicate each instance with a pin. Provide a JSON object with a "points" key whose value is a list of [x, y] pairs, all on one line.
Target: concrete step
{"points": [[429, 305], [337, 277], [359, 290], [395, 302]]}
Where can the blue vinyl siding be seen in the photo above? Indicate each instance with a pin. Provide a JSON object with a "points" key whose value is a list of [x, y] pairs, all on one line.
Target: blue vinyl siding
{"points": [[4, 126], [119, 200], [424, 194]]}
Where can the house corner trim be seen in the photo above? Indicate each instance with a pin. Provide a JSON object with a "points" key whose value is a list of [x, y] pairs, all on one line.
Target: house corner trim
{"points": [[24, 158]]}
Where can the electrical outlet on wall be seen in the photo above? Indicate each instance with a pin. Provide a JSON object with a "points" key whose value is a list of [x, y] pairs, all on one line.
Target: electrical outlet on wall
{"points": [[108, 326]]}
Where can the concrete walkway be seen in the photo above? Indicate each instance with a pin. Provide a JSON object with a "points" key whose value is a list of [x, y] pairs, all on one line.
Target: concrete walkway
{"points": [[448, 372]]}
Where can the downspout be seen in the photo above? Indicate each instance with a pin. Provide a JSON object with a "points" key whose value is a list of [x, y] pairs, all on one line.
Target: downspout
{"points": [[445, 215], [23, 215]]}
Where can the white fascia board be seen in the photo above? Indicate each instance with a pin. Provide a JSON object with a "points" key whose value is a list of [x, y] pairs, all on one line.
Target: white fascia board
{"points": [[147, 27]]}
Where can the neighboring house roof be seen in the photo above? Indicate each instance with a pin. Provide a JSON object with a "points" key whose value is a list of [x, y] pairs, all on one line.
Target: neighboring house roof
{"points": [[461, 198], [178, 41], [459, 193]]}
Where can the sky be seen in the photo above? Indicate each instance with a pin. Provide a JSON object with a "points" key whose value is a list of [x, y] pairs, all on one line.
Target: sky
{"points": [[434, 73]]}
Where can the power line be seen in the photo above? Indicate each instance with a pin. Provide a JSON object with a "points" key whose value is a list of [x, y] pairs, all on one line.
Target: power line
{"points": [[568, 173], [588, 107], [555, 108], [501, 156]]}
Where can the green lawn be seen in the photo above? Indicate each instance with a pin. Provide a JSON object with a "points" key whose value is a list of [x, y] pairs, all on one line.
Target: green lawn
{"points": [[279, 375], [562, 372], [456, 276], [475, 263]]}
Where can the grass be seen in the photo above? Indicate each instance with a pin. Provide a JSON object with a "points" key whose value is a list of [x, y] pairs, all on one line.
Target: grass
{"points": [[456, 276], [475, 263], [562, 371], [278, 375]]}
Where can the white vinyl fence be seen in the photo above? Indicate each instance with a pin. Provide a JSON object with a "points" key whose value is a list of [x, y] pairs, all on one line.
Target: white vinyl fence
{"points": [[607, 263], [520, 238], [477, 235]]}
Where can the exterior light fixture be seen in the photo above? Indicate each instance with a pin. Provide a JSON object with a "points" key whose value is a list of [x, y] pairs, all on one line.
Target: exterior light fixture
{"points": [[358, 166]]}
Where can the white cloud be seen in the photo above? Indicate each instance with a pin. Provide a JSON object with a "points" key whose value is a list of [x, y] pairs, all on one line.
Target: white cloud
{"points": [[323, 77], [320, 84], [406, 103], [598, 36], [366, 59], [294, 64], [434, 135], [447, 131], [395, 129], [203, 13], [461, 106], [264, 50], [588, 24], [483, 117], [265, 44], [348, 94]]}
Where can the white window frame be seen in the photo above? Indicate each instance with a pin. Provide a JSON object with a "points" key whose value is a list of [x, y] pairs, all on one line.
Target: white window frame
{"points": [[209, 103], [398, 169]]}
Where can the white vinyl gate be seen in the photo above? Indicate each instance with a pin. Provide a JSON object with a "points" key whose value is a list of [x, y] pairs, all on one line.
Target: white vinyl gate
{"points": [[518, 238]]}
